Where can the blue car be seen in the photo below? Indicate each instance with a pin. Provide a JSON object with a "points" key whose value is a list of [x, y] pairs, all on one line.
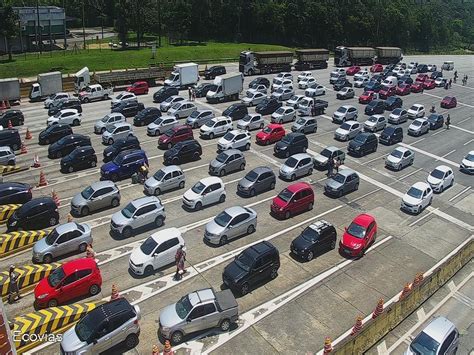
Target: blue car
{"points": [[373, 86], [124, 165]]}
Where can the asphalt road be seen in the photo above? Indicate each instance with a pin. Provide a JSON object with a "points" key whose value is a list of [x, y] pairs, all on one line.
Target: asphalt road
{"points": [[308, 300]]}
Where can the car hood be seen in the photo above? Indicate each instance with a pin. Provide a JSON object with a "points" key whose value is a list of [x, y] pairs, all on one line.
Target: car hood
{"points": [[433, 181], [234, 272], [279, 202], [300, 243], [215, 164], [466, 162], [152, 182], [414, 128], [191, 195], [41, 246], [164, 138], [109, 167], [43, 287], [411, 200], [223, 141], [285, 169], [276, 115], [369, 123], [350, 241], [169, 317], [394, 116], [320, 158], [138, 257], [71, 342], [119, 219], [242, 123], [78, 200], [100, 124], [263, 135], [281, 145], [338, 114], [247, 99], [245, 183], [213, 228], [333, 184], [297, 125], [393, 159], [354, 144], [342, 132]]}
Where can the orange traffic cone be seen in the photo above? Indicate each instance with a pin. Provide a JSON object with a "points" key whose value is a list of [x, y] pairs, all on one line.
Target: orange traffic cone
{"points": [[28, 134], [405, 292], [10, 124], [55, 197], [42, 179], [327, 345], [23, 149], [379, 309], [69, 218], [155, 350], [91, 254], [36, 162], [357, 326], [115, 295], [418, 279], [167, 349]]}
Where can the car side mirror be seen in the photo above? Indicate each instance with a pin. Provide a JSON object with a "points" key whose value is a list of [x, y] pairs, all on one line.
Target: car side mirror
{"points": [[188, 319], [94, 341]]}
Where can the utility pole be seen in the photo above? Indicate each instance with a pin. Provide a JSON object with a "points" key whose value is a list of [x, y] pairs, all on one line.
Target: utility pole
{"points": [[83, 25], [39, 43], [159, 23], [65, 39]]}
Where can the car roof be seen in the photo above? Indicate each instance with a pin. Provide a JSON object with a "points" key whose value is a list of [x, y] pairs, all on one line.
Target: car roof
{"points": [[274, 125], [443, 168], [13, 185], [402, 149], [5, 148], [233, 151], [351, 122], [235, 210], [333, 148], [69, 110], [220, 118], [261, 248], [43, 200], [238, 131], [261, 169], [78, 264], [298, 186], [123, 153], [101, 184], [121, 124], [363, 219], [300, 156], [170, 168], [145, 200], [110, 308], [211, 180], [200, 296], [346, 172], [420, 185], [346, 106], [166, 234], [66, 227], [439, 328]]}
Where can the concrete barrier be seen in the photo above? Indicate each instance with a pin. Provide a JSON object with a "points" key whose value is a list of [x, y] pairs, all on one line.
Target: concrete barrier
{"points": [[11, 169], [6, 211], [11, 243]]}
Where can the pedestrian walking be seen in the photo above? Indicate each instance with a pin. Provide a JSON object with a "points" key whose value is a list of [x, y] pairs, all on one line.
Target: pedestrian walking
{"points": [[190, 94], [330, 167], [13, 289], [466, 79], [337, 163], [455, 75], [448, 121], [180, 258], [450, 83], [193, 94]]}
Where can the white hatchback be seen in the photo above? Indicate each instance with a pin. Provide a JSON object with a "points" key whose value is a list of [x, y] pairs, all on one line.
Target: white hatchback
{"points": [[441, 178], [205, 192], [417, 198], [68, 116], [235, 139]]}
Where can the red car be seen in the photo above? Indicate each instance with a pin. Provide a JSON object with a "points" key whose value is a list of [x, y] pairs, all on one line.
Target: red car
{"points": [[403, 89], [367, 96], [359, 236], [74, 279], [139, 88], [449, 102], [422, 77], [270, 134], [429, 84], [417, 86], [353, 70], [294, 199], [376, 68], [387, 91], [175, 135]]}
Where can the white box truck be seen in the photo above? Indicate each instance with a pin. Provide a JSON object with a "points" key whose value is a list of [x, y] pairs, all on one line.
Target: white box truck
{"points": [[9, 90], [183, 75], [48, 84], [81, 79], [228, 88]]}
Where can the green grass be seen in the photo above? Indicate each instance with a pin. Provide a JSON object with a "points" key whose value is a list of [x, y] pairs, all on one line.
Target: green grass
{"points": [[105, 59]]}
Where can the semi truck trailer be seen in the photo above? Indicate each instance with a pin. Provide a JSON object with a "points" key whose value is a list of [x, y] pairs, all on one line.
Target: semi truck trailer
{"points": [[228, 87], [251, 63], [347, 56], [183, 75], [307, 59], [47, 84], [9, 90], [388, 55]]}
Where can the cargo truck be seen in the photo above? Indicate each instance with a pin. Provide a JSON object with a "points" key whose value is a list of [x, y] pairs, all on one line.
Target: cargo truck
{"points": [[388, 55], [227, 88], [251, 63], [347, 56], [183, 75], [48, 84], [9, 90], [81, 79], [307, 59]]}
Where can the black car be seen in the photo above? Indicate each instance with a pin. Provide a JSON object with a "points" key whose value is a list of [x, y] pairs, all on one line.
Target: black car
{"points": [[342, 83], [252, 266], [131, 142], [375, 107], [406, 79], [183, 151], [128, 108], [391, 135], [67, 144], [10, 138], [373, 86], [202, 89], [377, 77], [390, 67], [53, 133], [317, 238], [436, 74], [386, 73], [69, 103], [259, 81], [215, 70], [393, 102], [146, 116], [436, 120], [290, 144], [268, 106], [38, 213], [165, 92], [362, 144], [80, 158], [14, 192], [422, 68], [14, 116], [236, 111]]}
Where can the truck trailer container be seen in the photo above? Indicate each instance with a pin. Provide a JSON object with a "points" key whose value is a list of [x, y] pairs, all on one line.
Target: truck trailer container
{"points": [[347, 56], [307, 59], [227, 88], [183, 75], [388, 55], [10, 90], [251, 63], [48, 84]]}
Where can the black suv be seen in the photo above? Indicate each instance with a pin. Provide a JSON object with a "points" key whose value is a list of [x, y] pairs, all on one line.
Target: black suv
{"points": [[79, 159], [291, 144], [39, 213], [252, 266], [363, 144], [69, 103], [391, 135], [128, 108], [268, 106], [215, 70], [236, 111], [342, 83], [131, 142], [316, 238], [375, 107], [183, 151], [54, 133], [14, 192], [146, 116], [67, 144], [14, 116], [10, 138], [393, 102], [165, 92], [202, 89], [259, 81]]}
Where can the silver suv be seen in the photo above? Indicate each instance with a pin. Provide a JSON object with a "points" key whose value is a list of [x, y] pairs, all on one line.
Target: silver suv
{"points": [[297, 165], [109, 119], [167, 178], [99, 195], [141, 212], [227, 161]]}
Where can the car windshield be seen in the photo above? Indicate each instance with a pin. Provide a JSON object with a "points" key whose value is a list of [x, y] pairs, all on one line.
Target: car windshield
{"points": [[118, 159], [356, 230], [285, 195], [397, 111], [229, 136], [279, 91], [310, 235], [169, 133], [169, 99], [342, 110], [221, 158], [183, 307], [286, 139], [267, 130], [210, 123], [294, 98], [194, 114], [280, 111], [470, 157], [86, 327], [278, 82], [438, 174], [247, 118], [416, 123], [251, 176], [414, 192], [87, 192], [111, 129], [250, 95], [223, 219], [159, 175], [339, 178], [148, 246], [176, 106], [346, 126], [129, 210], [56, 276], [414, 108], [198, 187], [424, 345], [291, 162], [301, 121], [326, 152], [366, 93], [396, 153], [105, 119], [372, 119], [52, 236], [305, 102], [359, 138], [244, 261], [57, 115]]}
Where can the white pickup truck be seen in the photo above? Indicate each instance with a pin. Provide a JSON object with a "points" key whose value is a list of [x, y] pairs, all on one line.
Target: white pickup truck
{"points": [[95, 92]]}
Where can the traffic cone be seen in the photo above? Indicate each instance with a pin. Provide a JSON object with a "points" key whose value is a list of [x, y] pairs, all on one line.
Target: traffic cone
{"points": [[379, 309], [23, 149], [55, 197], [69, 218], [357, 326], [115, 295], [10, 124], [42, 179], [327, 345], [418, 279], [7, 104], [28, 134], [2, 105], [155, 350], [36, 162], [167, 349], [405, 292], [91, 254]]}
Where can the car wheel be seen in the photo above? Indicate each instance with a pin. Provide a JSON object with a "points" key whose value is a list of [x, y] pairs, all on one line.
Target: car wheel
{"points": [[195, 125], [274, 273], [102, 130], [84, 211], [287, 214], [159, 221], [333, 244], [198, 206], [252, 192], [181, 185], [114, 177], [247, 146], [310, 256], [242, 166], [157, 191], [225, 325], [418, 211], [293, 177], [94, 290], [356, 187], [431, 200], [170, 145], [287, 154], [131, 341], [86, 100], [211, 135], [70, 169], [52, 303], [250, 229], [310, 171], [310, 206], [175, 161], [223, 240], [82, 247], [222, 172], [53, 221], [441, 189], [244, 289], [176, 338], [149, 270], [76, 122], [127, 232], [272, 185], [47, 259], [59, 155], [261, 125], [222, 198]]}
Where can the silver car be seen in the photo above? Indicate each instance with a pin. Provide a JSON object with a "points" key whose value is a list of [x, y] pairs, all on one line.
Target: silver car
{"points": [[294, 101], [66, 238], [199, 118], [167, 178], [283, 94], [170, 101], [345, 93], [117, 131], [7, 156], [399, 158], [161, 125], [258, 88], [251, 121], [253, 98], [283, 114], [305, 125], [296, 166], [346, 180], [99, 195], [441, 335], [375, 123], [418, 127], [109, 119], [306, 82], [345, 113], [182, 109], [397, 116], [122, 97], [257, 180], [54, 99], [321, 159], [229, 224], [347, 130], [138, 213], [227, 161]]}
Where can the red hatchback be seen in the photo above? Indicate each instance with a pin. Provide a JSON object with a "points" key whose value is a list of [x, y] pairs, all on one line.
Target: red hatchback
{"points": [[175, 135], [417, 87], [359, 236], [353, 70], [403, 89], [422, 77], [376, 68], [449, 102], [294, 199], [74, 279], [429, 84], [387, 91], [139, 88], [270, 134], [367, 96]]}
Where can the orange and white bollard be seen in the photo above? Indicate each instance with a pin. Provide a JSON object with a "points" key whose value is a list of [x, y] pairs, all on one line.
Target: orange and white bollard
{"points": [[405, 292], [327, 345], [357, 326], [28, 134], [36, 162], [69, 218], [55, 197], [90, 253], [167, 349], [23, 149], [378, 309], [418, 279], [155, 350], [115, 295], [42, 180]]}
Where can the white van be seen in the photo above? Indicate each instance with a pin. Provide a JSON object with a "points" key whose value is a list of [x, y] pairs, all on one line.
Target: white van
{"points": [[391, 81], [448, 65]]}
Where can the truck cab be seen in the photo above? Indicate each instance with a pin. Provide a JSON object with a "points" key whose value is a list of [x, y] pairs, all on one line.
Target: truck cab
{"points": [[81, 79], [183, 75]]}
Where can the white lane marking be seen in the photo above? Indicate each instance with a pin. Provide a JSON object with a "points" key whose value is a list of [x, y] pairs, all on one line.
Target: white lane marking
{"points": [[431, 155], [435, 134], [418, 141], [410, 174], [374, 159], [469, 141], [459, 194], [420, 313], [422, 218], [256, 314], [439, 97], [464, 120], [462, 129], [382, 348], [463, 86], [266, 158], [445, 155]]}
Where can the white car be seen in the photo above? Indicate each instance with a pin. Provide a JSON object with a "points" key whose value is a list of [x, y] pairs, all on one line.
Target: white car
{"points": [[418, 127], [417, 198], [205, 192], [305, 82], [439, 82], [284, 83], [258, 88], [432, 67], [235, 139], [467, 164], [375, 123], [283, 114], [116, 131], [361, 82], [412, 69], [218, 126], [315, 90], [441, 178], [123, 96], [182, 109], [111, 118], [305, 74], [251, 121], [253, 98], [338, 71], [161, 125], [440, 337], [347, 130], [283, 75], [157, 251], [415, 111], [362, 74], [170, 101], [68, 116], [399, 158], [54, 98], [295, 100]]}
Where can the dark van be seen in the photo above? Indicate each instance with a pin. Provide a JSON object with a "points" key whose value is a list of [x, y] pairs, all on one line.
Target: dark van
{"points": [[10, 138], [391, 135]]}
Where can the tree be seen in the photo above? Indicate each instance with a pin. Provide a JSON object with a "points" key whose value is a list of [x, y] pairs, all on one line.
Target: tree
{"points": [[8, 27]]}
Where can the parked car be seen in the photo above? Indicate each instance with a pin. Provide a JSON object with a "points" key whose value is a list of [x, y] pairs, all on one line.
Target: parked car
{"points": [[167, 178], [417, 198], [161, 125], [290, 144], [345, 113], [270, 134], [359, 236], [97, 196], [391, 135], [129, 143], [387, 91], [315, 239], [68, 116], [236, 111], [257, 180], [392, 103], [258, 88], [416, 111], [235, 139], [112, 118], [146, 116], [305, 125], [71, 103], [231, 223], [403, 89], [417, 87], [138, 88], [199, 117], [124, 165], [342, 83], [429, 84], [436, 120], [373, 85], [398, 115], [10, 138], [227, 161], [217, 126], [123, 97], [296, 166], [7, 156], [202, 89], [182, 152], [80, 158], [448, 102], [205, 192], [259, 80], [345, 181], [283, 94], [251, 121], [467, 164], [348, 130], [353, 70], [375, 123], [164, 93], [362, 144], [439, 337], [213, 71], [65, 239], [305, 82], [399, 158], [283, 114], [294, 101], [361, 74], [175, 135], [38, 213], [315, 90], [345, 93], [182, 109], [166, 104], [441, 178], [253, 98], [14, 117], [440, 82], [321, 159], [53, 99], [53, 133], [282, 83], [294, 199], [367, 96], [67, 144], [361, 82], [15, 193], [129, 108], [376, 68], [432, 67], [418, 127], [375, 107], [117, 131], [268, 106]]}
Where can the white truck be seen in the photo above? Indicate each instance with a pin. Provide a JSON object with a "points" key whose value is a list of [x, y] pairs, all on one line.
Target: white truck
{"points": [[95, 92], [183, 75], [48, 84], [9, 90], [228, 87], [81, 79]]}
